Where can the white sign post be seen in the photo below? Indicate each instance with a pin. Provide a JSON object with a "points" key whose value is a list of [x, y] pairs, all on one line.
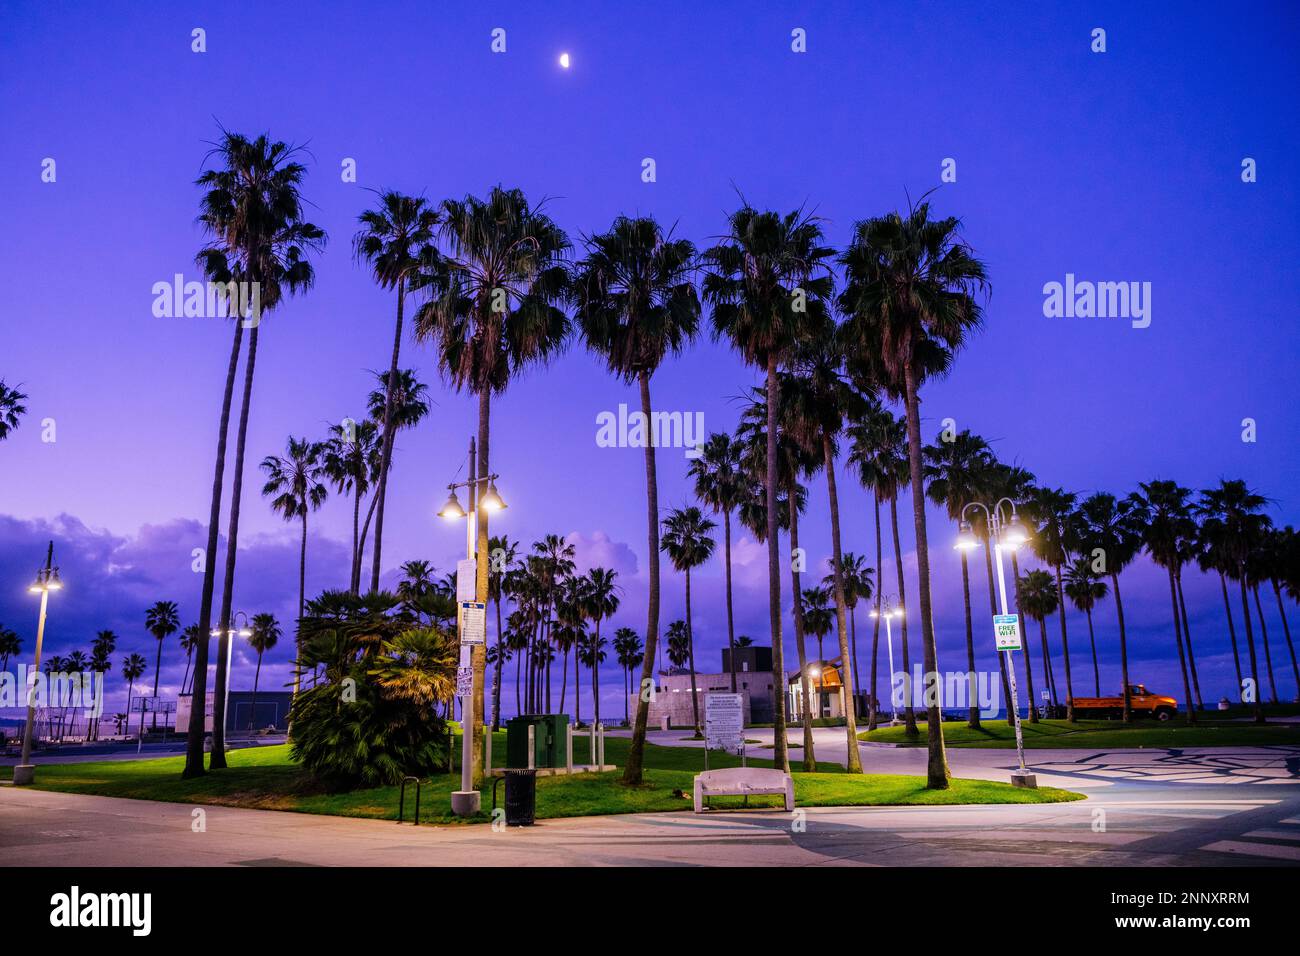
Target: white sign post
{"points": [[724, 723], [1006, 631]]}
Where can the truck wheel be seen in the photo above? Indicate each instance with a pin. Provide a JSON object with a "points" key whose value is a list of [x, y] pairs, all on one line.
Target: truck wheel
{"points": [[1164, 713]]}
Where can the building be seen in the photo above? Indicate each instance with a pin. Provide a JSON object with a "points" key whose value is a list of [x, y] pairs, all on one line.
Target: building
{"points": [[827, 691], [754, 682]]}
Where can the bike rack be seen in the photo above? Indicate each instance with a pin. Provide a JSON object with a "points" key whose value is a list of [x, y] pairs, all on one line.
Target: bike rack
{"points": [[401, 800]]}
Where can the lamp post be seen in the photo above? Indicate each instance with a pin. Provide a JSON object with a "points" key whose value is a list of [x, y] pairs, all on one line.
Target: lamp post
{"points": [[888, 611], [47, 580], [466, 801], [1005, 532], [244, 632]]}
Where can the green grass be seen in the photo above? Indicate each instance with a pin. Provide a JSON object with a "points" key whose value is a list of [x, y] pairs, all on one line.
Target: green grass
{"points": [[265, 778], [1096, 734]]}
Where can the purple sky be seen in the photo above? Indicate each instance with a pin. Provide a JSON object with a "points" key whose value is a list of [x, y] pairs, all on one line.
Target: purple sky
{"points": [[1122, 166]]}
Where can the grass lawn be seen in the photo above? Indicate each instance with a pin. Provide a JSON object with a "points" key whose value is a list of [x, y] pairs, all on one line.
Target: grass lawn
{"points": [[265, 778], [1096, 734]]}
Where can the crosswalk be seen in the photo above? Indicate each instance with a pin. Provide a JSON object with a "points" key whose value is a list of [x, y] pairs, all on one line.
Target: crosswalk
{"points": [[1280, 841]]}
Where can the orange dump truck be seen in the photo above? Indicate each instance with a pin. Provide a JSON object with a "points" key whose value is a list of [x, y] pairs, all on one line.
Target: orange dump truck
{"points": [[1142, 701]]}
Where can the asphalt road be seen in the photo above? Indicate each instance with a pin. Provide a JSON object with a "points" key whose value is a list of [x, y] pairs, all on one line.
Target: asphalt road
{"points": [[1229, 806]]}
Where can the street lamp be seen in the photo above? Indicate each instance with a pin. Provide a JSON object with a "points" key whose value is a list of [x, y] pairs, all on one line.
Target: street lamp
{"points": [[466, 801], [245, 632], [1006, 532], [888, 611], [47, 580]]}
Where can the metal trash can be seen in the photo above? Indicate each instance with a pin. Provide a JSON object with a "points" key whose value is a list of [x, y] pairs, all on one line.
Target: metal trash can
{"points": [[521, 797]]}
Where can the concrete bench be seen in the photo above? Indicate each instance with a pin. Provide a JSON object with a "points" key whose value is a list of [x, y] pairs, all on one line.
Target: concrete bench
{"points": [[743, 782]]}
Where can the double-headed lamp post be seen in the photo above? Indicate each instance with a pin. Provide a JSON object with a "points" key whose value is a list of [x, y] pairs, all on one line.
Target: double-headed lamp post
{"points": [[888, 611], [243, 631], [466, 801], [47, 580], [1006, 532]]}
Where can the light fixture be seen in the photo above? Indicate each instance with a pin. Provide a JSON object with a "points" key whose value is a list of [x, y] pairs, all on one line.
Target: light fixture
{"points": [[54, 584], [245, 632], [216, 632], [966, 537], [875, 613], [491, 501], [897, 612], [1015, 533], [452, 508]]}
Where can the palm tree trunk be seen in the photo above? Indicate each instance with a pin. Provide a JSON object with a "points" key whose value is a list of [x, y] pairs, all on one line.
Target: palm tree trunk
{"points": [[1187, 638], [361, 545], [217, 759], [386, 452], [252, 710], [157, 666], [519, 707], [909, 712], [1123, 648], [198, 709], [478, 653], [874, 703], [937, 766], [1257, 704], [564, 683], [1029, 670], [595, 676], [780, 755], [496, 680], [302, 598], [636, 752], [1065, 648], [1286, 629], [1096, 672], [973, 711], [800, 640], [841, 611], [1268, 656], [731, 629], [354, 575], [1232, 634], [186, 676], [993, 611], [690, 650], [1182, 654], [1049, 675]]}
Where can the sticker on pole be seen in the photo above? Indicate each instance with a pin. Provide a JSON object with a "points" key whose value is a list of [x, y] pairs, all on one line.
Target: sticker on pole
{"points": [[473, 623], [464, 682], [1006, 631]]}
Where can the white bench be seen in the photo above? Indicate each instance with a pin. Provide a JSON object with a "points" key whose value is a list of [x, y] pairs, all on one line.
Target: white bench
{"points": [[743, 782]]}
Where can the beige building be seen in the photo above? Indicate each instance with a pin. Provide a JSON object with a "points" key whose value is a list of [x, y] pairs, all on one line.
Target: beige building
{"points": [[672, 697]]}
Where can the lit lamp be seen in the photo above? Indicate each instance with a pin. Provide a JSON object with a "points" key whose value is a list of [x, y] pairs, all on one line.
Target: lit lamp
{"points": [[47, 580], [889, 612], [452, 508]]}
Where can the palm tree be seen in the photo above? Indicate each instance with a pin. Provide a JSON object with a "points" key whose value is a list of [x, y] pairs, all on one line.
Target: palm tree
{"points": [[636, 304], [1233, 520], [602, 601], [295, 482], [879, 442], [628, 649], [252, 211], [266, 634], [679, 644], [11, 645], [571, 629], [190, 638], [1188, 550], [591, 651], [101, 660], [493, 310], [161, 621], [858, 586], [911, 288], [688, 545], [954, 469], [817, 621], [1085, 588], [11, 408], [133, 668], [396, 240], [720, 483], [351, 462], [767, 281], [501, 576], [1109, 532], [1054, 541], [1162, 512], [1212, 555], [1256, 571], [1039, 598], [1281, 550], [416, 584]]}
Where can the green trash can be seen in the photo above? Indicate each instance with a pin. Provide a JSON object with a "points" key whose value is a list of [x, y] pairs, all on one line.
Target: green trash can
{"points": [[550, 740]]}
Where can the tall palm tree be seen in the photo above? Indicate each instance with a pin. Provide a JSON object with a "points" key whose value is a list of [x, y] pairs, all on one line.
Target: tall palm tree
{"points": [[602, 601], [911, 288], [1085, 588], [1256, 571], [133, 668], [494, 308], [1233, 519], [395, 239], [293, 482], [1054, 541], [720, 483], [1039, 598], [1187, 551], [687, 543], [252, 211], [591, 651], [189, 639], [351, 461], [636, 304], [11, 645], [1212, 555], [858, 586], [954, 470], [1282, 551], [1109, 532], [502, 573], [629, 651], [101, 661], [818, 618], [767, 281], [162, 621], [1162, 512], [12, 408], [266, 634], [571, 614]]}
